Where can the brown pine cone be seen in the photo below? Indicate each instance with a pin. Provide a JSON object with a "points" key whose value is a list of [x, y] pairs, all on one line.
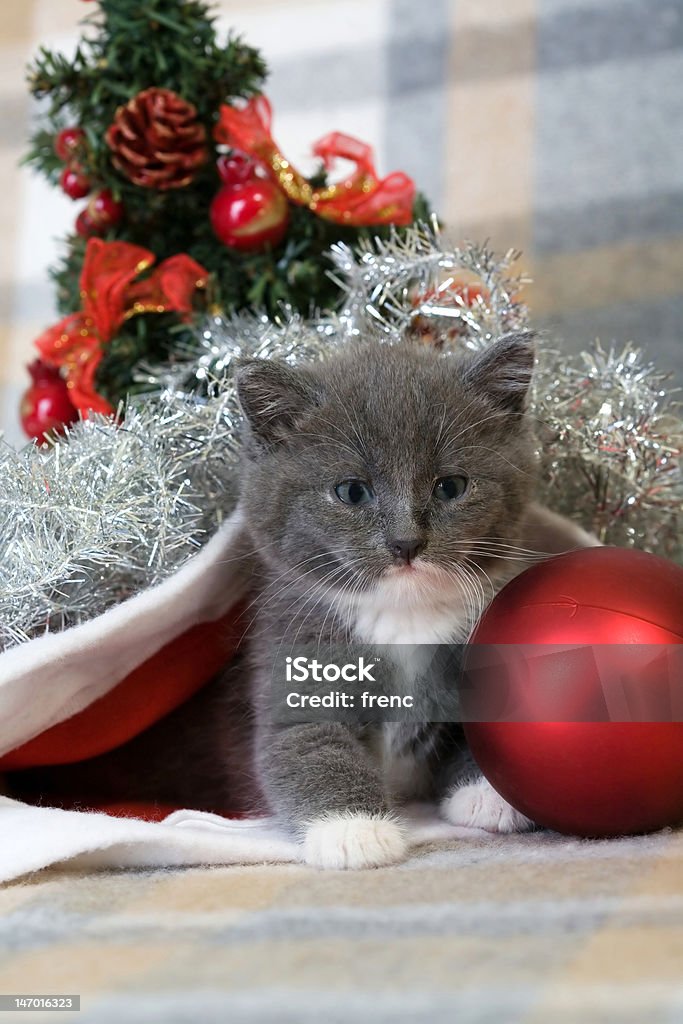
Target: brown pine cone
{"points": [[157, 141]]}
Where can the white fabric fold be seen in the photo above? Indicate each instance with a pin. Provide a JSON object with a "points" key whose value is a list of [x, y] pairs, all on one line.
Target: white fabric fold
{"points": [[34, 838]]}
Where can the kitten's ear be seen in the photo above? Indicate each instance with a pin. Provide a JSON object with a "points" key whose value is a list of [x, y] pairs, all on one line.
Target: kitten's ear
{"points": [[272, 397], [504, 370]]}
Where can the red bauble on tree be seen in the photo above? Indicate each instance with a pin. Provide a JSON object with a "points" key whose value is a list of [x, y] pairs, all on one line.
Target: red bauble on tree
{"points": [[362, 199], [84, 225], [101, 213], [74, 182], [104, 211], [250, 211], [45, 405], [237, 168], [68, 142]]}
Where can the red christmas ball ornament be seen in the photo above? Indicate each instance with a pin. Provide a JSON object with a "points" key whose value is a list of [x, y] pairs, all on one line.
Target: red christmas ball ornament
{"points": [[104, 211], [45, 405], [74, 183], [85, 227], [593, 741], [250, 211], [68, 142]]}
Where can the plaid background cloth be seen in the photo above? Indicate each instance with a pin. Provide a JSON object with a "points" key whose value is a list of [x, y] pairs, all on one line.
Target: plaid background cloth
{"points": [[525, 929], [555, 126]]}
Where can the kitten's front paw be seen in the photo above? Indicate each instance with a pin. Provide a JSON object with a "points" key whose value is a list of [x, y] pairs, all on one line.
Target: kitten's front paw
{"points": [[477, 805], [347, 840]]}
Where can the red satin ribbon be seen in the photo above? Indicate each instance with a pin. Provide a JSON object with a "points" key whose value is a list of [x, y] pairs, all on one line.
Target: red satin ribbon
{"points": [[110, 296], [362, 199]]}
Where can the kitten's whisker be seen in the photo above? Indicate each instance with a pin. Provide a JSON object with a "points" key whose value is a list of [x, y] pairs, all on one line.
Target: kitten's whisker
{"points": [[356, 426], [336, 602], [327, 587], [291, 572], [306, 597], [473, 590], [479, 571], [474, 616], [325, 581], [439, 435], [502, 545], [336, 597], [242, 554], [500, 542], [477, 590], [470, 568], [461, 413], [501, 557], [352, 605], [490, 553], [470, 598], [294, 577], [356, 444], [293, 582]]}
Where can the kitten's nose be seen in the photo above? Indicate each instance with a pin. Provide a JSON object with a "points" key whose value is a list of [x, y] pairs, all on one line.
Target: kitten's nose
{"points": [[406, 550]]}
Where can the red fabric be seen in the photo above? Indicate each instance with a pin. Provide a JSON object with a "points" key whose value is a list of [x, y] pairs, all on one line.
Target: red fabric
{"points": [[152, 690]]}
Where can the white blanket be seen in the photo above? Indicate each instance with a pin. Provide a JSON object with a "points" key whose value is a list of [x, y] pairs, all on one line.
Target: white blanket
{"points": [[37, 837]]}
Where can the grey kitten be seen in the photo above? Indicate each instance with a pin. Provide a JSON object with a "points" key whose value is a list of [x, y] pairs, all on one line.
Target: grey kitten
{"points": [[388, 491]]}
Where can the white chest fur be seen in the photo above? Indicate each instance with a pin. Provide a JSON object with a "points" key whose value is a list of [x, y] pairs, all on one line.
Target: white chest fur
{"points": [[421, 607]]}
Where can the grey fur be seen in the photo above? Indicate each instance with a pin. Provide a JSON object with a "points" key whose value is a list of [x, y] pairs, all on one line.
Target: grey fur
{"points": [[399, 416]]}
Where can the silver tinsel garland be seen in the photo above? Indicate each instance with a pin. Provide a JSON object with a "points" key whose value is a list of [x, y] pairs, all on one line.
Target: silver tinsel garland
{"points": [[409, 283], [394, 288], [612, 447], [111, 509], [206, 366]]}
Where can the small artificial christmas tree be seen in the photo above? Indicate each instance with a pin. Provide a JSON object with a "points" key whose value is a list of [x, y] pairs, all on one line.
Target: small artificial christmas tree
{"points": [[142, 124]]}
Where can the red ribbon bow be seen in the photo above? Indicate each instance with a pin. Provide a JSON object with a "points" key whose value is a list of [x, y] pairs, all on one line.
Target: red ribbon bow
{"points": [[110, 296], [362, 199]]}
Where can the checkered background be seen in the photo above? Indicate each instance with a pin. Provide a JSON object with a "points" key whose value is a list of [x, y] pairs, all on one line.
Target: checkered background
{"points": [[552, 125]]}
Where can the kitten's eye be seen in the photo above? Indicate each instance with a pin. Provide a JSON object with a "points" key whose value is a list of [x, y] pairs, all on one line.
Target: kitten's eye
{"points": [[450, 488], [354, 492]]}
